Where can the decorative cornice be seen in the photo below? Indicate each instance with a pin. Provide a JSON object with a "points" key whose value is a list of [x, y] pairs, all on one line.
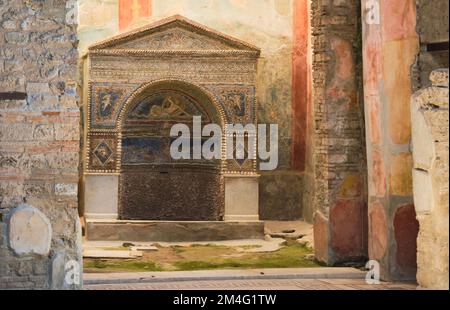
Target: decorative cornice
{"points": [[160, 53], [180, 20]]}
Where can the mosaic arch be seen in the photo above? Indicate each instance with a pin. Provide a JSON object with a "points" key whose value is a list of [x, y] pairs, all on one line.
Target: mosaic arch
{"points": [[152, 184]]}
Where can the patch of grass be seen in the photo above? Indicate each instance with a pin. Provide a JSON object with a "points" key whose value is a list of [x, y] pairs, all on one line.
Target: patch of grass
{"points": [[122, 265], [194, 265], [178, 249], [208, 245], [210, 256], [291, 255]]}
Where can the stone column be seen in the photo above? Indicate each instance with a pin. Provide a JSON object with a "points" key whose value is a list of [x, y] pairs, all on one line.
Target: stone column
{"points": [[339, 159], [429, 111], [390, 46]]}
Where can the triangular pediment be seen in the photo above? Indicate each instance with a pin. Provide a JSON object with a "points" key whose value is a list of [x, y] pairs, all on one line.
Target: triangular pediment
{"points": [[176, 33]]}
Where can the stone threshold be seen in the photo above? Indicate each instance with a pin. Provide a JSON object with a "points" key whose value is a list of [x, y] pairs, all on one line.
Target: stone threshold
{"points": [[172, 231]]}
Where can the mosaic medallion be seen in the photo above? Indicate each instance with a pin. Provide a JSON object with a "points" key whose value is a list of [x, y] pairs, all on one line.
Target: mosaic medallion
{"points": [[103, 152], [102, 155]]}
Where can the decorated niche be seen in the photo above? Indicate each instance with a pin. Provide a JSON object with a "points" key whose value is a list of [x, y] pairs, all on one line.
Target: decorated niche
{"points": [[141, 83]]}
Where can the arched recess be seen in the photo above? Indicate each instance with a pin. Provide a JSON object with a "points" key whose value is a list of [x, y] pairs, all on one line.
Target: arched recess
{"points": [[154, 186]]}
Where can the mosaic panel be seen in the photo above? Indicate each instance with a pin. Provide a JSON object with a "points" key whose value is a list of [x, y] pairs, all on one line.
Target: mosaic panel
{"points": [[155, 150], [106, 101], [102, 152], [166, 105], [238, 101]]}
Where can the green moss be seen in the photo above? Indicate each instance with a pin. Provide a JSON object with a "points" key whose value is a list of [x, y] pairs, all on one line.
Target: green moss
{"points": [[209, 245], [178, 249], [194, 265], [292, 255], [204, 257], [122, 265]]}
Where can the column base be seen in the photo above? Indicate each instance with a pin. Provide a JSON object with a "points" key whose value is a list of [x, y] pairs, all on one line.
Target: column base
{"points": [[101, 196], [241, 197]]}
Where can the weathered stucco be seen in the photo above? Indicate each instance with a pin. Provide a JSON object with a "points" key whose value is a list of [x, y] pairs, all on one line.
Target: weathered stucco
{"points": [[390, 46], [429, 111]]}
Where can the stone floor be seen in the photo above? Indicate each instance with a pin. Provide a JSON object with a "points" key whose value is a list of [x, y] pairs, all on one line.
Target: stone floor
{"points": [[278, 229], [261, 279], [100, 247], [300, 227], [271, 284], [301, 230], [324, 278]]}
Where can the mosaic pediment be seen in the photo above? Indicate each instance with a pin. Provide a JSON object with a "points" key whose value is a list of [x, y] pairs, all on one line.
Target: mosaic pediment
{"points": [[174, 39], [143, 82], [174, 34]]}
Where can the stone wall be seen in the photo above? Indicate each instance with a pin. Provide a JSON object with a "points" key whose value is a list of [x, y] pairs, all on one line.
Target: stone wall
{"points": [[432, 27], [39, 144], [338, 157], [430, 131]]}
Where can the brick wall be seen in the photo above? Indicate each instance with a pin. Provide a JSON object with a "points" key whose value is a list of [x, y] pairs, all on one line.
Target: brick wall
{"points": [[338, 157], [39, 142]]}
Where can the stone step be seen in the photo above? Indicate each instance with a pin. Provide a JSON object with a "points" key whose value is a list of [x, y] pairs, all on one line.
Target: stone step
{"points": [[172, 231], [98, 253]]}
